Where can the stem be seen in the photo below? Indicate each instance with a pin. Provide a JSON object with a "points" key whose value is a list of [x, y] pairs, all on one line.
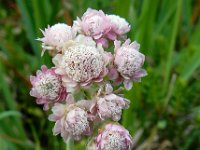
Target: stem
{"points": [[70, 144]]}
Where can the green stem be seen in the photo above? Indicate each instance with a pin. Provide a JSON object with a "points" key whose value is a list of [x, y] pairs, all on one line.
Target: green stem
{"points": [[70, 144]]}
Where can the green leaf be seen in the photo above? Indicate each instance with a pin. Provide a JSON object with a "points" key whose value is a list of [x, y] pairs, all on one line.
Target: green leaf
{"points": [[29, 26]]}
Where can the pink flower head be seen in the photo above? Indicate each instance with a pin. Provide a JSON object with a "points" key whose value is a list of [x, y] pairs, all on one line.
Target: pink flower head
{"points": [[128, 61], [55, 36], [80, 65], [110, 105], [94, 23], [47, 87], [106, 104], [70, 120], [113, 137], [119, 26]]}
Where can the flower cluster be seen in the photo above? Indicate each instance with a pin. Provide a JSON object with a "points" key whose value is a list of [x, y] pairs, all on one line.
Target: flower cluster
{"points": [[82, 88]]}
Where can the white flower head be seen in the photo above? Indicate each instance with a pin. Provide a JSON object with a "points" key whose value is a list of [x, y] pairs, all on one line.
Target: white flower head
{"points": [[55, 36]]}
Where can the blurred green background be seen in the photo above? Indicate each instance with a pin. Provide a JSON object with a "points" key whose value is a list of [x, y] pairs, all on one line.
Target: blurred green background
{"points": [[165, 108]]}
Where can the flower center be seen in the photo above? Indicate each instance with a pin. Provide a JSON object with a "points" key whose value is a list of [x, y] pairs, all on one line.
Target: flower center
{"points": [[114, 141], [83, 63], [49, 87], [77, 120]]}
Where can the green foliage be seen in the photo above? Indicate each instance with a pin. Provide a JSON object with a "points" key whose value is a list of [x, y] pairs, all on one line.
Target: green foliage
{"points": [[165, 106]]}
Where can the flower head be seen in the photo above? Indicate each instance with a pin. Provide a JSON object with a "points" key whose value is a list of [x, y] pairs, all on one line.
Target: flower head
{"points": [[128, 61], [106, 104], [93, 23], [71, 121], [47, 87], [55, 36], [119, 25], [80, 64], [110, 105], [112, 137]]}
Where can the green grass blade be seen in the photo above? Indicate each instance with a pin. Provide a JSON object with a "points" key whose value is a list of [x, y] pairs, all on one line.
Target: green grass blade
{"points": [[192, 65], [29, 26], [11, 104], [5, 90], [36, 16], [163, 22], [6, 114], [145, 24], [172, 45]]}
